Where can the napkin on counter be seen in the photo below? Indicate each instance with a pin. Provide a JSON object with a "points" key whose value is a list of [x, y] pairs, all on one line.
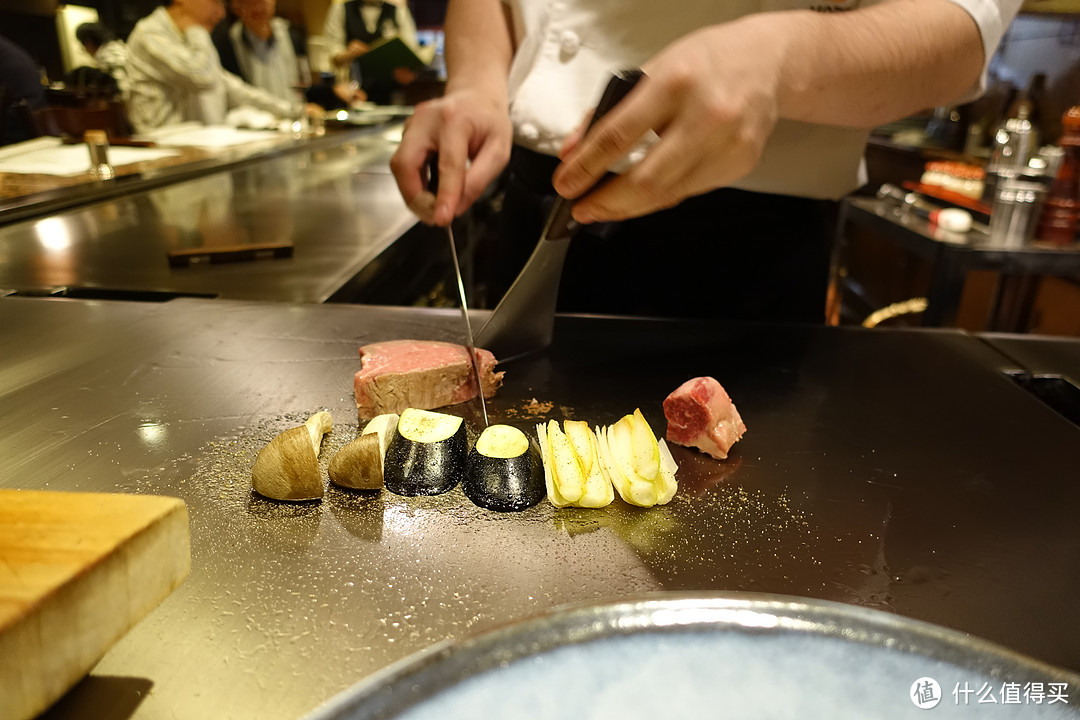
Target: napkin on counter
{"points": [[208, 137], [49, 156]]}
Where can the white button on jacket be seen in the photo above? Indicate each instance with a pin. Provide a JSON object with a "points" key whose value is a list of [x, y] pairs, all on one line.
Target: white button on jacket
{"points": [[569, 42]]}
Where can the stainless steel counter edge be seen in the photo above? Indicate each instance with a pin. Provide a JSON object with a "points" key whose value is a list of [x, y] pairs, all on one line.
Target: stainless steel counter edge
{"points": [[52, 201]]}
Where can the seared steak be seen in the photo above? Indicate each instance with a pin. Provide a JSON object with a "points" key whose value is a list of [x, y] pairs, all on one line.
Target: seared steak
{"points": [[419, 374], [701, 415]]}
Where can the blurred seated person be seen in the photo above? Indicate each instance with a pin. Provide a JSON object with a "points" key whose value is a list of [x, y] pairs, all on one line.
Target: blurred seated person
{"points": [[20, 82], [110, 55], [258, 47], [176, 75], [90, 82], [352, 27]]}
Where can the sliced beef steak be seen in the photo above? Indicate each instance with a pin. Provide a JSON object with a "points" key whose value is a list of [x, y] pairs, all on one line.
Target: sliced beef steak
{"points": [[700, 414], [419, 374]]}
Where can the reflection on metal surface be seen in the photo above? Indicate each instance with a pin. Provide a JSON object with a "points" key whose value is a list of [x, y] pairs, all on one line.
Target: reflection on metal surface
{"points": [[53, 234], [866, 479], [152, 433], [336, 204], [404, 521], [741, 617]]}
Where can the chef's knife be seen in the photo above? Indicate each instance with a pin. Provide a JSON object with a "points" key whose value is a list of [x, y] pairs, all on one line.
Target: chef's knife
{"points": [[433, 187], [525, 317]]}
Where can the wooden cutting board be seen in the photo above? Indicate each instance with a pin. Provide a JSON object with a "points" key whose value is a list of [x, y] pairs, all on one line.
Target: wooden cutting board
{"points": [[77, 571]]}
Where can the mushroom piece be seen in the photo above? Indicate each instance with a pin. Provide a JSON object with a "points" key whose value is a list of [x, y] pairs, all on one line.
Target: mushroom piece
{"points": [[359, 465], [288, 467]]}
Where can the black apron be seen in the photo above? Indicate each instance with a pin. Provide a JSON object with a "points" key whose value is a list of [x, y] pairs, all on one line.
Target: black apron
{"points": [[727, 254]]}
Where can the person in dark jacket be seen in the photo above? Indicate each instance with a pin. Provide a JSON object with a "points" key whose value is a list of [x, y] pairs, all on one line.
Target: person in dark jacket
{"points": [[353, 27], [21, 92], [261, 48]]}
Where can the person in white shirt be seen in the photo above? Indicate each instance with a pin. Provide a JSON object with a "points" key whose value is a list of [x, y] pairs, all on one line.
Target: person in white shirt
{"points": [[175, 73], [761, 108], [352, 27]]}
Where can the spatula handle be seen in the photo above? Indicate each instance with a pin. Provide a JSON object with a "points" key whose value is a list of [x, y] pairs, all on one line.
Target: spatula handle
{"points": [[622, 82]]}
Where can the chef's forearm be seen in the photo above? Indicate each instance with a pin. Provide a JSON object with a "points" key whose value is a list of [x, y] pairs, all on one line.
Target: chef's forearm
{"points": [[876, 64], [479, 47]]}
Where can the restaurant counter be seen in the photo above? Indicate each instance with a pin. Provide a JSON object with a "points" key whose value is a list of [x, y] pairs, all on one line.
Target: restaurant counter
{"points": [[896, 470], [189, 150], [1048, 367], [1039, 355], [296, 226]]}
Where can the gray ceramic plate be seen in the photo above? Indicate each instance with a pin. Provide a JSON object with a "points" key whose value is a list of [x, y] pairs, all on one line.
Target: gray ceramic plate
{"points": [[706, 656]]}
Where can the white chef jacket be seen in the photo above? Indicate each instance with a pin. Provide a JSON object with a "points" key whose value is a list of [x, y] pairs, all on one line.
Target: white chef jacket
{"points": [[566, 50]]}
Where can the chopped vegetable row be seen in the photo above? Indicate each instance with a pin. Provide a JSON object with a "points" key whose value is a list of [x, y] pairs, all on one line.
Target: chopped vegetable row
{"points": [[428, 453]]}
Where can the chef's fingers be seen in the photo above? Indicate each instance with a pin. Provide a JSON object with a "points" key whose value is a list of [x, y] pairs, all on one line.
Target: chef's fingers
{"points": [[424, 207], [630, 195], [678, 166], [573, 139], [611, 138], [408, 163], [453, 160], [489, 161]]}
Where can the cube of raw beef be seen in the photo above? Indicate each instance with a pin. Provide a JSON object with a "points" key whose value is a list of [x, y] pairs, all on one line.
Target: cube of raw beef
{"points": [[700, 414], [419, 374]]}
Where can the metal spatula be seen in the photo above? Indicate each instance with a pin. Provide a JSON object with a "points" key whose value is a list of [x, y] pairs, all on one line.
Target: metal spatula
{"points": [[523, 320]]}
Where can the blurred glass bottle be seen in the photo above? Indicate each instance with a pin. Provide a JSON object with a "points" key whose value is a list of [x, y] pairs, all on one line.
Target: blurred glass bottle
{"points": [[1010, 150], [1058, 221], [1030, 103], [1016, 140]]}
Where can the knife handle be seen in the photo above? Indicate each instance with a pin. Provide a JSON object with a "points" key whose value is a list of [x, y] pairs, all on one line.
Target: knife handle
{"points": [[621, 83]]}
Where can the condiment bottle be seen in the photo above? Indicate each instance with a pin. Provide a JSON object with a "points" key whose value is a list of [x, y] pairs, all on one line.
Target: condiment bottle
{"points": [[97, 142], [1012, 147], [1017, 206], [1029, 105], [1061, 212]]}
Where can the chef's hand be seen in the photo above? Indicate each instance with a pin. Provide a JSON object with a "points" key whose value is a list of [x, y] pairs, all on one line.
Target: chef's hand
{"points": [[356, 48], [403, 75], [711, 96], [472, 134], [349, 93]]}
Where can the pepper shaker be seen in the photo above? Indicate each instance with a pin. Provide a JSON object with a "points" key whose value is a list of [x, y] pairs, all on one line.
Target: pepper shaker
{"points": [[1016, 209], [97, 142]]}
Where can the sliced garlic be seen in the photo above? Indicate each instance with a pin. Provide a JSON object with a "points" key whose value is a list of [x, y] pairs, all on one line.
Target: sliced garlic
{"points": [[572, 470], [641, 469]]}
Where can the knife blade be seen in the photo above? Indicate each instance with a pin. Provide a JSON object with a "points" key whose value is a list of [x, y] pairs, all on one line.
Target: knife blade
{"points": [[524, 319], [433, 187]]}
